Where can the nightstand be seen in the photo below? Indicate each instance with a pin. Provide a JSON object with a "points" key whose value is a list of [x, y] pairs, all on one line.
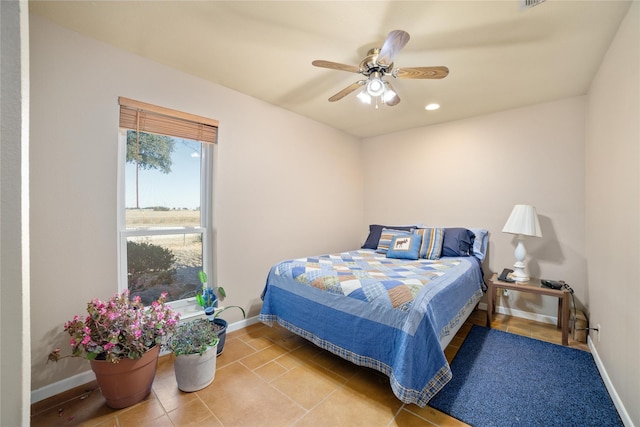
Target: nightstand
{"points": [[533, 286]]}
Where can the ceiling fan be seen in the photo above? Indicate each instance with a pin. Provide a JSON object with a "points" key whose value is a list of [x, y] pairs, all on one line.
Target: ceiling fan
{"points": [[378, 64]]}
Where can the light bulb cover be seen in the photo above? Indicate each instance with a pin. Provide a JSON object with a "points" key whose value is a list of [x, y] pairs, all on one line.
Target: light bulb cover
{"points": [[375, 87], [364, 97], [389, 94]]}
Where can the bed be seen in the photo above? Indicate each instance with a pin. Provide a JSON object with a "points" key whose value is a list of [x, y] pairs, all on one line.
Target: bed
{"points": [[390, 313]]}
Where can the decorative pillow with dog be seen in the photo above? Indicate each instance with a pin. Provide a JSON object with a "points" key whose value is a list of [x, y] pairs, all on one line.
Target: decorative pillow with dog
{"points": [[385, 239], [405, 247]]}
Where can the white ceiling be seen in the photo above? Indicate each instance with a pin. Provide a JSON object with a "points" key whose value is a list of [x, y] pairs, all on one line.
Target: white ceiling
{"points": [[500, 56]]}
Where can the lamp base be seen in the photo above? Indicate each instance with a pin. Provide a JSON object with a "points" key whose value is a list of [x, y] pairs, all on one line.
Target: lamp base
{"points": [[519, 275]]}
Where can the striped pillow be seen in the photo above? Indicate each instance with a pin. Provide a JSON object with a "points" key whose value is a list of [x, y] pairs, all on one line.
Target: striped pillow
{"points": [[432, 239], [386, 236]]}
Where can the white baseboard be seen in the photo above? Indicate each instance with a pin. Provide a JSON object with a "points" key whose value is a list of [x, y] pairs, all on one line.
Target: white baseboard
{"points": [[88, 376], [553, 320], [624, 415], [242, 324], [62, 386]]}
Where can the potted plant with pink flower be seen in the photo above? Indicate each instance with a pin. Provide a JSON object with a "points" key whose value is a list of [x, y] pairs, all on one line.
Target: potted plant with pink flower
{"points": [[121, 338]]}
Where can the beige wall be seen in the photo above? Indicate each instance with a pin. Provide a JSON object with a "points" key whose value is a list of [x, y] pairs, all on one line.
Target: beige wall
{"points": [[613, 210], [285, 186], [472, 172]]}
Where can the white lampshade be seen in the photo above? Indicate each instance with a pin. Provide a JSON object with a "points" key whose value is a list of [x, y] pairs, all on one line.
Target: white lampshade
{"points": [[524, 221]]}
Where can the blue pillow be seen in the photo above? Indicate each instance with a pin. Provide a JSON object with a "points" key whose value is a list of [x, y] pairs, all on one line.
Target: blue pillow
{"points": [[374, 234], [405, 246], [385, 239], [458, 242], [431, 246]]}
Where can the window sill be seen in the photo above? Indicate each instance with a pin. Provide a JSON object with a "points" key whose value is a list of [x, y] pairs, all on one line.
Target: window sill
{"points": [[187, 308]]}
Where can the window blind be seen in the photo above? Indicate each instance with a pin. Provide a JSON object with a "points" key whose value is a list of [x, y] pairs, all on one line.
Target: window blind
{"points": [[136, 115]]}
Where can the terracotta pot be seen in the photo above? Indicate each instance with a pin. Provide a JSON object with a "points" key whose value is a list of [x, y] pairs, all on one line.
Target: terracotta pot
{"points": [[127, 382], [194, 371]]}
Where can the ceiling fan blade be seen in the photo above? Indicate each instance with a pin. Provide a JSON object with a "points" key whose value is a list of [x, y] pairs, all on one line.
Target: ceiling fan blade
{"points": [[421, 73], [346, 91], [335, 66], [395, 99], [395, 41]]}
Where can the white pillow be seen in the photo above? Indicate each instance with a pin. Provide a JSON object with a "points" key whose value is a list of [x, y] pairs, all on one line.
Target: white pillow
{"points": [[480, 243]]}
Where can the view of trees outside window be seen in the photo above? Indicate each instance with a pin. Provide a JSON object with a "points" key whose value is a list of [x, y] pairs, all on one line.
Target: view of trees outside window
{"points": [[163, 227]]}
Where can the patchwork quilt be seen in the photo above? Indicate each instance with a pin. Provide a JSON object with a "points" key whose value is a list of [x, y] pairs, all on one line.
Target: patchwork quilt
{"points": [[367, 276], [383, 313]]}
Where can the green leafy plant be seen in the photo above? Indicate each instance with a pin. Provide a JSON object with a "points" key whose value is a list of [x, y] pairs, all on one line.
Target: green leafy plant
{"points": [[119, 328], [208, 299], [193, 337], [144, 258]]}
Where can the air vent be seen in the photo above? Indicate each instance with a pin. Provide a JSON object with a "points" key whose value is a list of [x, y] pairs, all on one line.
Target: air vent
{"points": [[528, 4]]}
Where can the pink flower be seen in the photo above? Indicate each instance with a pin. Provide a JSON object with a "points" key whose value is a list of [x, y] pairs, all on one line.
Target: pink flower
{"points": [[122, 327]]}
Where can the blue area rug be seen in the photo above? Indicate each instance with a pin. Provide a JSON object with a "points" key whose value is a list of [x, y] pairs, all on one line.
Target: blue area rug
{"points": [[502, 379]]}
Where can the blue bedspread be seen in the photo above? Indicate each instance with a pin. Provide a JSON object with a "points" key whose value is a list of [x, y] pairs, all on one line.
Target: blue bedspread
{"points": [[383, 313]]}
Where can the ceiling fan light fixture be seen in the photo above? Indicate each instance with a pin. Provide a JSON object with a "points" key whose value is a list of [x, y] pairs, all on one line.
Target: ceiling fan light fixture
{"points": [[389, 94], [364, 97], [375, 86], [379, 63]]}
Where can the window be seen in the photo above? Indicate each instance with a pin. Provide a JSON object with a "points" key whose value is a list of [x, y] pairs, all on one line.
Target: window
{"points": [[165, 189]]}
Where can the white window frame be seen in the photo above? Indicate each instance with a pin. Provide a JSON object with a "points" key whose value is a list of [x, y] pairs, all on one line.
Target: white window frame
{"points": [[188, 305]]}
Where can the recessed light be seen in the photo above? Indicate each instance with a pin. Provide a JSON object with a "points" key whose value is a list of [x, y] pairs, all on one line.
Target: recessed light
{"points": [[432, 107]]}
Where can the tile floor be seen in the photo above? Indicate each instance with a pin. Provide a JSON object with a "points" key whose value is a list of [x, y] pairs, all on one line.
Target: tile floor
{"points": [[271, 377]]}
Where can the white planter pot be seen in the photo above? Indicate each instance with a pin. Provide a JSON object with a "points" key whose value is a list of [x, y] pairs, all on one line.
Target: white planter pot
{"points": [[195, 372]]}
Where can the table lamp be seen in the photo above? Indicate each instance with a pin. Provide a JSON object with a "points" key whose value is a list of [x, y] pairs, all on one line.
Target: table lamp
{"points": [[523, 221]]}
